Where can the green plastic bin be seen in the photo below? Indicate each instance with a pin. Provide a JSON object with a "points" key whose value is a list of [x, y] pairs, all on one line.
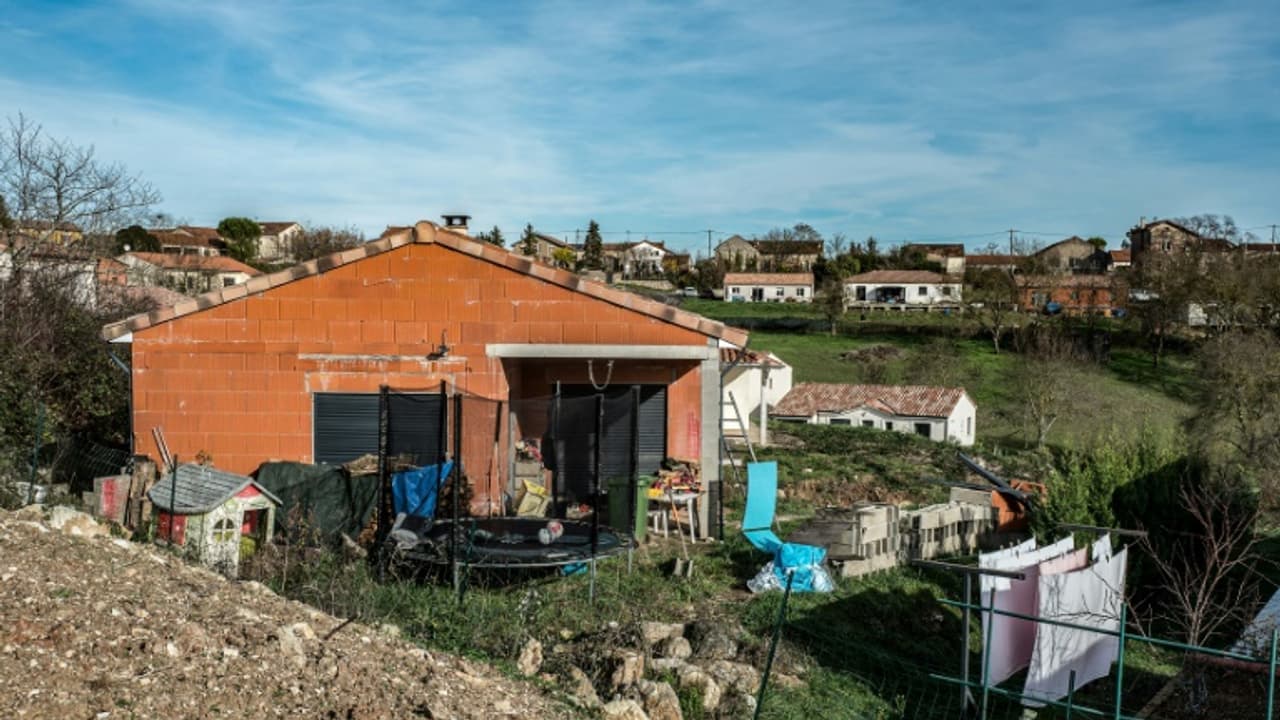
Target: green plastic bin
{"points": [[620, 505]]}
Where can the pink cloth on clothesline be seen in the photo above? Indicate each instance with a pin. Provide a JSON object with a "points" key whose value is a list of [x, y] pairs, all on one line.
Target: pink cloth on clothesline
{"points": [[1010, 639]]}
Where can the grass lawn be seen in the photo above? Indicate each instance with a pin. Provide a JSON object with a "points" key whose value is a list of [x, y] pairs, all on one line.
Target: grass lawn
{"points": [[1116, 400]]}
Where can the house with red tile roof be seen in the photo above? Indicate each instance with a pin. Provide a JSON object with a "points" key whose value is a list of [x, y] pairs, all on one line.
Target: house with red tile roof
{"points": [[903, 288], [768, 287], [191, 274], [289, 366], [939, 413]]}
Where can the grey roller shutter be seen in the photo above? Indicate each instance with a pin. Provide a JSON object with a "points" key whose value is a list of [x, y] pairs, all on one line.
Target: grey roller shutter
{"points": [[345, 426], [653, 428]]}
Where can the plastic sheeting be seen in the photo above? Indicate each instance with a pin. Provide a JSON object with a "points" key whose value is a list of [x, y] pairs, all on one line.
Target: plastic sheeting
{"points": [[415, 492], [324, 499], [805, 561]]}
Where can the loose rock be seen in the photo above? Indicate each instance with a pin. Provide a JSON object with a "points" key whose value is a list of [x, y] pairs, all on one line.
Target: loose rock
{"points": [[623, 710], [530, 660], [660, 700]]}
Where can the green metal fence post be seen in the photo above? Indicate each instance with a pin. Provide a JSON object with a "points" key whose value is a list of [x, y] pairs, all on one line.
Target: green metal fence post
{"points": [[773, 643], [1271, 675], [35, 454], [964, 643], [1124, 618], [986, 651], [1071, 692]]}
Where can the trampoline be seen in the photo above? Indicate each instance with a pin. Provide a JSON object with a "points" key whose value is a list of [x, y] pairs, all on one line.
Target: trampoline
{"points": [[504, 542]]}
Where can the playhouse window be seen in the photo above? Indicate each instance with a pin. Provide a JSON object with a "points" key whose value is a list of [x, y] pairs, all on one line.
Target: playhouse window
{"points": [[225, 531]]}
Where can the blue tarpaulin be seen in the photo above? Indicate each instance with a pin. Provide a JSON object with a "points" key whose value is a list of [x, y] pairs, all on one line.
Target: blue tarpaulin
{"points": [[414, 492], [803, 559]]}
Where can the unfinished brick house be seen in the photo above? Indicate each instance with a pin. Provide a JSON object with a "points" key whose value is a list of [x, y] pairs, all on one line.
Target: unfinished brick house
{"points": [[288, 365]]}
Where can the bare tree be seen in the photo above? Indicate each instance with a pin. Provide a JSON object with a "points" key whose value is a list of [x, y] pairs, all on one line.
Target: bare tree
{"points": [[1046, 376], [1163, 292], [991, 296], [1208, 572], [1238, 418], [52, 185], [312, 243]]}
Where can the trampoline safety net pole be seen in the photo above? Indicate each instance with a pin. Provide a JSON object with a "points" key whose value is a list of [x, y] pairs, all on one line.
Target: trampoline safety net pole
{"points": [[595, 491], [632, 490], [384, 480], [557, 475], [456, 475]]}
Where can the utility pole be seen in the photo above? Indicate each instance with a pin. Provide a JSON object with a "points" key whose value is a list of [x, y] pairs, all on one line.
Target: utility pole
{"points": [[709, 239], [1011, 232], [1273, 238]]}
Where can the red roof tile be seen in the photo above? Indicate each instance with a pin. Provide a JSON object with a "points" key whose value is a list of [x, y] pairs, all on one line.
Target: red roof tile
{"points": [[747, 357], [195, 263], [806, 399], [919, 277], [426, 233], [768, 278]]}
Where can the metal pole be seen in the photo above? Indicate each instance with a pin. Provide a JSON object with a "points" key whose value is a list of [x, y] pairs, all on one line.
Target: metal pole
{"points": [[557, 477], [35, 453], [595, 491], [773, 643], [384, 431], [173, 498], [1071, 692], [456, 475], [986, 652], [964, 642], [633, 489], [1124, 617], [1271, 675]]}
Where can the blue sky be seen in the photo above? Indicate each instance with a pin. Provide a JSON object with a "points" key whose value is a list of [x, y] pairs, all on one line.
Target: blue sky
{"points": [[909, 121]]}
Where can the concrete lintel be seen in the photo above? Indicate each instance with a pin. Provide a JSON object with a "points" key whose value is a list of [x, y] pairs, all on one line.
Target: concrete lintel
{"points": [[125, 338], [618, 352]]}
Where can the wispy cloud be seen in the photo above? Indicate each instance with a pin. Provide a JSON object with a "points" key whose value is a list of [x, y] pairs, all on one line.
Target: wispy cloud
{"points": [[894, 119]]}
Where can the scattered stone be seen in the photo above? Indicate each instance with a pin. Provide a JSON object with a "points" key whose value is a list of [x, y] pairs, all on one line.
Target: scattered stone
{"points": [[660, 700], [629, 669], [653, 633], [74, 522], [661, 665], [738, 705], [735, 676], [291, 642], [711, 640], [581, 688], [623, 710], [530, 658], [692, 677], [786, 681], [675, 647]]}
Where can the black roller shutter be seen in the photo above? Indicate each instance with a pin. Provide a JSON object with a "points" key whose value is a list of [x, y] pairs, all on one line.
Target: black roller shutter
{"points": [[578, 411], [345, 426]]}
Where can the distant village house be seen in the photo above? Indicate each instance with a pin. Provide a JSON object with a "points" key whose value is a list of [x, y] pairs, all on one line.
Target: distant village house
{"points": [[768, 287], [938, 413]]}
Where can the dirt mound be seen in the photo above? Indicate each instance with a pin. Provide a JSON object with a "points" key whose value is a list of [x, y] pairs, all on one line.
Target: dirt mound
{"points": [[101, 627]]}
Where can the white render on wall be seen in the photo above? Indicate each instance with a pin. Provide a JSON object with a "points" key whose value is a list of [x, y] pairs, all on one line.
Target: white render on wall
{"points": [[752, 385]]}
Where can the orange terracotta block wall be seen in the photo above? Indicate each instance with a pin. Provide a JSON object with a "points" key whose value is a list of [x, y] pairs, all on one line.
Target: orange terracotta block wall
{"points": [[236, 380]]}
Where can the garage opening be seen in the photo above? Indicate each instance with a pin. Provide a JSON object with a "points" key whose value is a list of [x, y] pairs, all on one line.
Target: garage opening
{"points": [[345, 426], [632, 441]]}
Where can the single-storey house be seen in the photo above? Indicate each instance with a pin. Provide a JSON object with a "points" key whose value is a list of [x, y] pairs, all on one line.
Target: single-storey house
{"points": [[289, 365], [938, 413], [187, 273], [1072, 255], [902, 287], [754, 381], [275, 244], [210, 512], [768, 287]]}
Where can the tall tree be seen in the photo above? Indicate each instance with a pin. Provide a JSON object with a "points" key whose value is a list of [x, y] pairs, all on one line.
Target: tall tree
{"points": [[493, 237], [832, 300], [241, 235], [1165, 288], [593, 248], [528, 241], [52, 184], [1238, 404], [137, 239]]}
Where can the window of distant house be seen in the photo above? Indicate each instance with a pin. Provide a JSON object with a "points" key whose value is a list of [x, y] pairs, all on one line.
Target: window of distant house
{"points": [[779, 292], [869, 423], [799, 292], [1167, 245], [228, 281], [1075, 295], [888, 425], [922, 291], [735, 291], [924, 429], [968, 426], [841, 421], [946, 289]]}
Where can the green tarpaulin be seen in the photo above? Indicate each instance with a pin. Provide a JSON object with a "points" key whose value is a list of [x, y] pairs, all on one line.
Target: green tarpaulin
{"points": [[322, 500]]}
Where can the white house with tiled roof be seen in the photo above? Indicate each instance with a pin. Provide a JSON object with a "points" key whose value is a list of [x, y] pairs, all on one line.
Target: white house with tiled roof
{"points": [[910, 288], [753, 381], [938, 413], [768, 287]]}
